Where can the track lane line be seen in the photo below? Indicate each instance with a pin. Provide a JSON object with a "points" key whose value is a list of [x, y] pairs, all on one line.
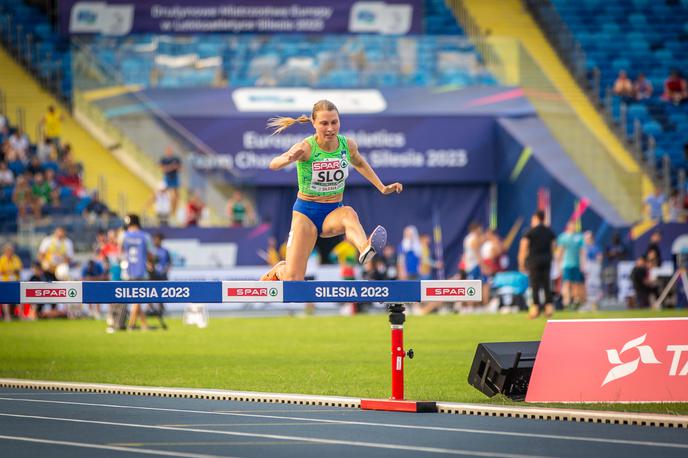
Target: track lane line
{"points": [[384, 425], [314, 440], [116, 448]]}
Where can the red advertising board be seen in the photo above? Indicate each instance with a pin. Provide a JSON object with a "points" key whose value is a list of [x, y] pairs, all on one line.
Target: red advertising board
{"points": [[626, 360]]}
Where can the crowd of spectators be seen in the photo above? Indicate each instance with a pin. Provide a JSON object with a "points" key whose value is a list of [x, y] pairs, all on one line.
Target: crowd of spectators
{"points": [[675, 89], [111, 258], [671, 208], [42, 179]]}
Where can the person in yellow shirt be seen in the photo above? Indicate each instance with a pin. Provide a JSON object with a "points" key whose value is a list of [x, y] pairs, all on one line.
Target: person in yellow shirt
{"points": [[51, 124], [10, 267]]}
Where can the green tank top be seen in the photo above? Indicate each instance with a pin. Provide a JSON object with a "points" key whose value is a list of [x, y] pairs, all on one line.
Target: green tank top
{"points": [[324, 173]]}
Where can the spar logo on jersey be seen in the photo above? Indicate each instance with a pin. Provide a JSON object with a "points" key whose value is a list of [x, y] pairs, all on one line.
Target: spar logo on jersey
{"points": [[332, 164], [623, 369]]}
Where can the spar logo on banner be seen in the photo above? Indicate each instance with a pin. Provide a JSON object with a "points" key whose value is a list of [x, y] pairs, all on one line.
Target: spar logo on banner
{"points": [[252, 291], [451, 290], [55, 292], [634, 360]]}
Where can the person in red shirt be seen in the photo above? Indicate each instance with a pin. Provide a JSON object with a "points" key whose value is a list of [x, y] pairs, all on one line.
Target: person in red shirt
{"points": [[675, 88], [194, 209]]}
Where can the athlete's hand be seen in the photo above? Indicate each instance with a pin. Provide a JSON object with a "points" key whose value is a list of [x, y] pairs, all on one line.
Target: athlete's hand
{"points": [[296, 152], [394, 187]]}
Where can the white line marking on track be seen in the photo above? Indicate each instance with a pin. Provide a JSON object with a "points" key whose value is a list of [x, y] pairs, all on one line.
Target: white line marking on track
{"points": [[411, 448], [383, 425], [145, 451]]}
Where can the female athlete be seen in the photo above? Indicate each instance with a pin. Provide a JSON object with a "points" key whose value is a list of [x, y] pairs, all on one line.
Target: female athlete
{"points": [[322, 164]]}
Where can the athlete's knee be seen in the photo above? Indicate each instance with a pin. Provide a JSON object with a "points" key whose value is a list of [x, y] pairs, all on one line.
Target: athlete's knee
{"points": [[349, 215]]}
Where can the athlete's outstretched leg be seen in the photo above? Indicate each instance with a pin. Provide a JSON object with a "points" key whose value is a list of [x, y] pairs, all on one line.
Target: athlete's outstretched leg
{"points": [[344, 220], [300, 244]]}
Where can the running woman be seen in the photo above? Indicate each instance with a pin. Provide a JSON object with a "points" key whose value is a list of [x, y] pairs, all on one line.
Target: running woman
{"points": [[322, 164]]}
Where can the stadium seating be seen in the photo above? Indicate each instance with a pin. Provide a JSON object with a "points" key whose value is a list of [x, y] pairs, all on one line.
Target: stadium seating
{"points": [[27, 31], [293, 60], [640, 37]]}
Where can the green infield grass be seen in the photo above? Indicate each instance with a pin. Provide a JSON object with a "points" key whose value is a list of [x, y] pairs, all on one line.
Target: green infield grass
{"points": [[342, 356]]}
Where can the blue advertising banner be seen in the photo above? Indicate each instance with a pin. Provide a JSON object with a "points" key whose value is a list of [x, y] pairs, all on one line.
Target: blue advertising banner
{"points": [[124, 17], [410, 149]]}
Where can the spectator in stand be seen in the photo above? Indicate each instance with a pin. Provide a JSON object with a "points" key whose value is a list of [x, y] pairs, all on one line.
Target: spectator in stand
{"points": [[137, 251], [54, 250], [571, 256], [46, 151], [654, 204], [171, 166], [194, 210], [642, 87], [96, 212], [3, 124], [101, 240], [623, 87], [110, 249], [643, 287], [535, 259], [6, 176], [94, 271], [240, 210], [51, 125], [44, 195], [23, 199], [20, 143], [10, 269], [427, 263], [471, 258], [613, 254], [65, 156], [675, 88], [35, 166], [653, 254], [162, 204], [389, 255], [70, 178], [410, 251], [675, 207]]}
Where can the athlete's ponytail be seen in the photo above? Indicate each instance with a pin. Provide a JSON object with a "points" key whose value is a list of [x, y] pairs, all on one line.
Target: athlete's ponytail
{"points": [[282, 122]]}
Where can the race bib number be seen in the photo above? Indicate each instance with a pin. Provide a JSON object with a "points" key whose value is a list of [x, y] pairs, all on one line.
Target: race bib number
{"points": [[329, 175]]}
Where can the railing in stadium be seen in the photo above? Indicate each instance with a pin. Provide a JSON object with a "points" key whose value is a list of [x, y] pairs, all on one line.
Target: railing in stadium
{"points": [[512, 64]]}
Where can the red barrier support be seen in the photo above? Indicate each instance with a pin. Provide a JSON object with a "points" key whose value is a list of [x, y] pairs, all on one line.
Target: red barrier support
{"points": [[397, 402]]}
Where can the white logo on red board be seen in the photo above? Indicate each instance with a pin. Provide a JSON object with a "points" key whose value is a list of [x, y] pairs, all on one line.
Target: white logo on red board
{"points": [[645, 355]]}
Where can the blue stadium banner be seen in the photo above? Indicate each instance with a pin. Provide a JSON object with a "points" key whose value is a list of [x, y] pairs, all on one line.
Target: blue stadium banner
{"points": [[208, 292], [410, 149], [124, 17]]}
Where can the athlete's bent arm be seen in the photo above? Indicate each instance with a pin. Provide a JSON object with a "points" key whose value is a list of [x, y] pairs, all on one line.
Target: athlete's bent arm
{"points": [[359, 162], [299, 151]]}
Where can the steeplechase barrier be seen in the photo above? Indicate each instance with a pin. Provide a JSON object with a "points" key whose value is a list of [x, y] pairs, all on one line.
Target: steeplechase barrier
{"points": [[395, 294]]}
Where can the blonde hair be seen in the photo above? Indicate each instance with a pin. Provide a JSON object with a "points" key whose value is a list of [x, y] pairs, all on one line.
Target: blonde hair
{"points": [[279, 124]]}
